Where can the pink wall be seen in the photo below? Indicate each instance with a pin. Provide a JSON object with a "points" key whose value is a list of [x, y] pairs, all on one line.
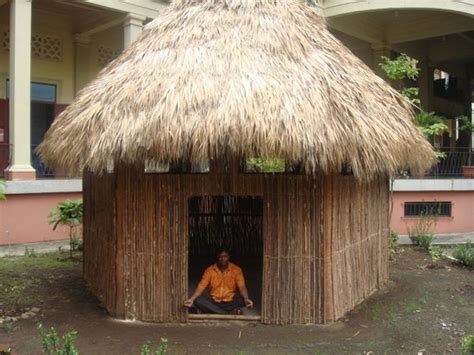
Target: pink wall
{"points": [[462, 213], [23, 218]]}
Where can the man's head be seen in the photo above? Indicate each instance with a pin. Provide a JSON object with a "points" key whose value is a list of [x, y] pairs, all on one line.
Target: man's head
{"points": [[222, 257]]}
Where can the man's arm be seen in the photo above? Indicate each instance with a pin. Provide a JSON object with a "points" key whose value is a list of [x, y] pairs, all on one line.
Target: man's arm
{"points": [[243, 290], [199, 289]]}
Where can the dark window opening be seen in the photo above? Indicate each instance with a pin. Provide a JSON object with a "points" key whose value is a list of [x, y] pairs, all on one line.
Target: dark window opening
{"points": [[433, 209]]}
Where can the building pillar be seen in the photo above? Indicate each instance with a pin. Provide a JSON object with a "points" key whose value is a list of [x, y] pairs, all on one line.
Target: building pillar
{"points": [[133, 27], [81, 62], [20, 91], [378, 51]]}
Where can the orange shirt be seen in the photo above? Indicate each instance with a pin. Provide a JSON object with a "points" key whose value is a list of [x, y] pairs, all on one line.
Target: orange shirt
{"points": [[222, 284]]}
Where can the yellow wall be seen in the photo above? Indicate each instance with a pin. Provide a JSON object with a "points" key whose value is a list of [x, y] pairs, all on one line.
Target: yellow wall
{"points": [[61, 73]]}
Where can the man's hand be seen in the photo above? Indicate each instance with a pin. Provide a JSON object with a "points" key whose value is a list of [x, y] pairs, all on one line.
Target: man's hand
{"points": [[248, 303], [189, 303]]}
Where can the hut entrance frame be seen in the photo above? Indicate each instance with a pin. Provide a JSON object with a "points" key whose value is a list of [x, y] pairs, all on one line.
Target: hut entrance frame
{"points": [[234, 223]]}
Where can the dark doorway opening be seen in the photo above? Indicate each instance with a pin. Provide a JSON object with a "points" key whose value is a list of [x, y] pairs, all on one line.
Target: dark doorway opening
{"points": [[233, 222], [42, 116]]}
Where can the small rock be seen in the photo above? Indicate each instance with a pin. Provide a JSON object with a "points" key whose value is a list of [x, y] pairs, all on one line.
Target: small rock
{"points": [[35, 309], [31, 314], [24, 316], [8, 319], [14, 319]]}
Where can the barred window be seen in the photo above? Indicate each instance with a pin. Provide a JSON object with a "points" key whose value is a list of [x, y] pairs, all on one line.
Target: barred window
{"points": [[432, 208]]}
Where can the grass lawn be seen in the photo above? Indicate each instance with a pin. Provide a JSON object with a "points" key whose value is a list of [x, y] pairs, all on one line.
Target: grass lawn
{"points": [[426, 308]]}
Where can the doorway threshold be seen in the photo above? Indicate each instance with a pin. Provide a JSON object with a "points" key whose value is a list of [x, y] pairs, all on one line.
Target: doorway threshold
{"points": [[212, 317]]}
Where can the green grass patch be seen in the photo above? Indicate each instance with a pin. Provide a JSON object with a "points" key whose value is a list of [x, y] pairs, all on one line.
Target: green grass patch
{"points": [[20, 275]]}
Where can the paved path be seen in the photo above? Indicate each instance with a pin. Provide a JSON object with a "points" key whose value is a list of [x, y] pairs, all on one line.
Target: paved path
{"points": [[444, 239], [47, 247], [40, 247]]}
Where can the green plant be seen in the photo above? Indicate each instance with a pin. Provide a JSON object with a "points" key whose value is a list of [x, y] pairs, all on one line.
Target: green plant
{"points": [[30, 252], [68, 213], [401, 68], [421, 233], [161, 350], [260, 165], [464, 254], [423, 240], [54, 344], [77, 243], [436, 253], [393, 242], [468, 345], [2, 189]]}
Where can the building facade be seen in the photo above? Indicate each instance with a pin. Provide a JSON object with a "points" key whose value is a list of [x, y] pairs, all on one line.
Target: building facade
{"points": [[50, 49]]}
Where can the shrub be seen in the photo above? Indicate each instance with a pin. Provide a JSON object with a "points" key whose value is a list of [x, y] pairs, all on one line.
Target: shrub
{"points": [[161, 350], [53, 344], [436, 253], [468, 345], [464, 254], [76, 244], [68, 213], [423, 240], [393, 242]]}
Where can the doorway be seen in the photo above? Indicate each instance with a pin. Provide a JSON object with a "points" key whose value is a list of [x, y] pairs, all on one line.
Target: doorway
{"points": [[234, 223]]}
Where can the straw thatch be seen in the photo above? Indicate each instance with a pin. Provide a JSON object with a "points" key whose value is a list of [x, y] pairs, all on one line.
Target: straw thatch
{"points": [[242, 77]]}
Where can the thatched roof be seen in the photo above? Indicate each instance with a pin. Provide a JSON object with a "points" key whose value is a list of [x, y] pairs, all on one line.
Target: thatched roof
{"points": [[247, 77]]}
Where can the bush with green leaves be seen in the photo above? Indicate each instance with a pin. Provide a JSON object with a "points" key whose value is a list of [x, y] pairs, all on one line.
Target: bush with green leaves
{"points": [[468, 345], [54, 344], [161, 350], [423, 240], [68, 213], [398, 70], [436, 253], [464, 254], [393, 242]]}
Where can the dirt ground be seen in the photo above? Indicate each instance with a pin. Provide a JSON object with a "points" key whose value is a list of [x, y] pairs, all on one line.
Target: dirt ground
{"points": [[423, 309]]}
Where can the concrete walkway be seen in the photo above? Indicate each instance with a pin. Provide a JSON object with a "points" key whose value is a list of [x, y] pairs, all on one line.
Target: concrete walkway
{"points": [[40, 247], [443, 239], [48, 247]]}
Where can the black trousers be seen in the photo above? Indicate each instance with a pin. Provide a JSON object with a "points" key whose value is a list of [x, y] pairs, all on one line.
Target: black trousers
{"points": [[206, 304]]}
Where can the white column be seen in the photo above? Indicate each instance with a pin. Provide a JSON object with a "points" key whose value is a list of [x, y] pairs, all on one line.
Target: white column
{"points": [[20, 90], [133, 27], [82, 70]]}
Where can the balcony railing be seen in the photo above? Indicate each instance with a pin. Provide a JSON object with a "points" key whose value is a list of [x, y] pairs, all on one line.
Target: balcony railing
{"points": [[450, 166], [5, 157]]}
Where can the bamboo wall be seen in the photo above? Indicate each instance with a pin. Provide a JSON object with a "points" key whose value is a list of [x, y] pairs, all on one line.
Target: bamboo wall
{"points": [[99, 237], [359, 247], [145, 275]]}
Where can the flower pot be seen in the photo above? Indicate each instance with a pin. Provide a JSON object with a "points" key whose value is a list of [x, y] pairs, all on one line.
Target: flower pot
{"points": [[468, 172]]}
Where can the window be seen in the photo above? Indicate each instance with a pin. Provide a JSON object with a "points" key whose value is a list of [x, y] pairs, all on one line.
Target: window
{"points": [[269, 166], [39, 92], [180, 167], [436, 209]]}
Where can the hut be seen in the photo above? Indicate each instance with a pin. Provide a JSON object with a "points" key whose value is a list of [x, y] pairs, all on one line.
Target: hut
{"points": [[210, 87]]}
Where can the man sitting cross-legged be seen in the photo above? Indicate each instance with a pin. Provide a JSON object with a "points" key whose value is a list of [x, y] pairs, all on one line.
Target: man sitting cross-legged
{"points": [[223, 279]]}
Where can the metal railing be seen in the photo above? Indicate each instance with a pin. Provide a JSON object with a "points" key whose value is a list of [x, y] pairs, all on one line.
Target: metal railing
{"points": [[451, 165]]}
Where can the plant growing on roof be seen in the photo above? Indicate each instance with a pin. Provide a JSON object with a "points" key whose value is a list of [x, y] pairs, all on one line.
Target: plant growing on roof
{"points": [[68, 213], [401, 68]]}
